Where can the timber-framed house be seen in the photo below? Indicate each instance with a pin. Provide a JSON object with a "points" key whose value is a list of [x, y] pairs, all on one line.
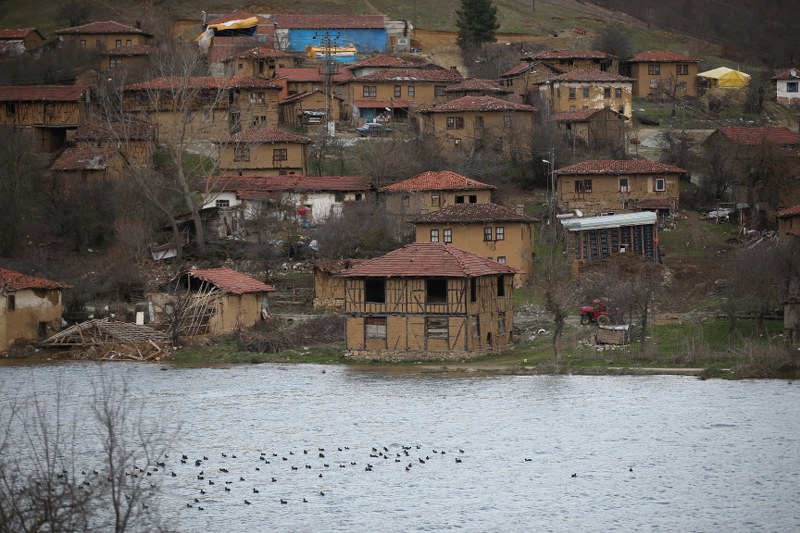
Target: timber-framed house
{"points": [[428, 301]]}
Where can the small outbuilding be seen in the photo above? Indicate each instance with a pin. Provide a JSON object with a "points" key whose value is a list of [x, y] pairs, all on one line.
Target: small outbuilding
{"points": [[724, 78], [594, 238]]}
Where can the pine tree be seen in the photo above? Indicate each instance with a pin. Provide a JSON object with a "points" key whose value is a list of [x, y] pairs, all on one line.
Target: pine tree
{"points": [[477, 23]]}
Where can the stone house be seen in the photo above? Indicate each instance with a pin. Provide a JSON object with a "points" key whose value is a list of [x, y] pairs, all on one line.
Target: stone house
{"points": [[596, 128], [595, 238], [378, 62], [587, 89], [203, 109], [488, 230], [567, 60], [617, 186], [390, 94], [126, 63], [213, 301], [328, 283], [49, 112], [428, 301], [309, 110], [662, 73], [478, 87], [30, 307], [787, 86], [260, 62], [135, 140], [17, 41], [263, 152], [475, 123], [405, 200], [524, 79], [76, 167], [103, 35]]}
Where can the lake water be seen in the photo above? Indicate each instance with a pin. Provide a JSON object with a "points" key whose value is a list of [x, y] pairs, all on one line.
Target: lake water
{"points": [[522, 453]]}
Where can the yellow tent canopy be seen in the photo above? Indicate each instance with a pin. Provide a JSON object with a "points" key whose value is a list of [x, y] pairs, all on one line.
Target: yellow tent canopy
{"points": [[725, 78], [204, 39]]}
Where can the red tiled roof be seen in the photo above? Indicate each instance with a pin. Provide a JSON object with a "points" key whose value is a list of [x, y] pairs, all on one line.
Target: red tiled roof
{"points": [[478, 103], [789, 212], [108, 26], [444, 180], [230, 281], [580, 115], [412, 74], [132, 50], [90, 158], [466, 213], [757, 135], [17, 281], [45, 93], [335, 266], [477, 84], [371, 104], [329, 22], [662, 56], [204, 82], [588, 75], [310, 74], [103, 131], [569, 54], [786, 74], [15, 33], [245, 186], [382, 60], [260, 52], [620, 166], [428, 259], [522, 67], [265, 135]]}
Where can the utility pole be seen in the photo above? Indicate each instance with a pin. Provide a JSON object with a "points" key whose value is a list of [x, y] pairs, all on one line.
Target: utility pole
{"points": [[328, 70]]}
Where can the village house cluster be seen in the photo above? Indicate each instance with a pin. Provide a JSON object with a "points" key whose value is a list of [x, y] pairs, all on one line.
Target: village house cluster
{"points": [[270, 85]]}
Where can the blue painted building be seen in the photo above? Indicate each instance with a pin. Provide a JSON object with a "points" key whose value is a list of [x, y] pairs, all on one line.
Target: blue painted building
{"points": [[367, 33]]}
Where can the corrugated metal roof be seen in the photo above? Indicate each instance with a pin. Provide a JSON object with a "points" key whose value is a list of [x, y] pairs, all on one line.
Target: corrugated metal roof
{"points": [[444, 180], [13, 280], [230, 281], [428, 260], [611, 221]]}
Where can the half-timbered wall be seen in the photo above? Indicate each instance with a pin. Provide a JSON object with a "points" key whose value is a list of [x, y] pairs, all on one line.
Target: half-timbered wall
{"points": [[600, 243], [616, 193], [52, 113]]}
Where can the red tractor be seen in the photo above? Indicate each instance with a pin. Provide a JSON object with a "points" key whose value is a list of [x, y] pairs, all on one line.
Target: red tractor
{"points": [[598, 312]]}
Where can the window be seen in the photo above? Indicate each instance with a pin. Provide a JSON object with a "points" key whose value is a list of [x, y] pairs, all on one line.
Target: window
{"points": [[114, 62], [83, 43], [506, 121], [618, 92], [448, 235], [586, 92], [241, 152], [501, 259], [223, 203], [682, 69], [623, 185], [280, 154], [98, 43], [661, 184], [473, 290], [370, 90], [338, 197], [436, 200], [583, 185], [476, 327], [621, 110], [501, 285], [436, 291], [478, 123], [654, 69], [11, 110], [487, 234], [128, 42], [501, 323], [260, 120], [411, 90], [499, 233], [398, 91], [572, 108], [437, 328], [235, 122], [434, 235], [438, 90], [117, 43], [606, 92], [375, 327], [791, 86], [375, 291], [572, 93], [11, 302], [455, 123]]}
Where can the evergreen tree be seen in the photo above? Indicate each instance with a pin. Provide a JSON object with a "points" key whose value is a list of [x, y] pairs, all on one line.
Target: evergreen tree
{"points": [[477, 23]]}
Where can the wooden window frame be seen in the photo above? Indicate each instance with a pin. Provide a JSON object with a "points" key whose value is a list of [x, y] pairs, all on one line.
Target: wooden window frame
{"points": [[375, 327], [280, 154]]}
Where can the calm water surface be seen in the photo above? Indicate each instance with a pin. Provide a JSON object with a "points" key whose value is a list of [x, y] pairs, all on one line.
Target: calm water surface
{"points": [[706, 455]]}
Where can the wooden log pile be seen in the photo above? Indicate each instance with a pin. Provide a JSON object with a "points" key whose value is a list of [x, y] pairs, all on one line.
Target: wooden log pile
{"points": [[107, 340]]}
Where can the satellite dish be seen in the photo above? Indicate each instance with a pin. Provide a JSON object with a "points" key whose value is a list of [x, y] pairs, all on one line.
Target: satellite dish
{"points": [[578, 213]]}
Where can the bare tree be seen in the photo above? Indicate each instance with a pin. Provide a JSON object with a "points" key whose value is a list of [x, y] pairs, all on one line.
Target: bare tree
{"points": [[554, 275]]}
